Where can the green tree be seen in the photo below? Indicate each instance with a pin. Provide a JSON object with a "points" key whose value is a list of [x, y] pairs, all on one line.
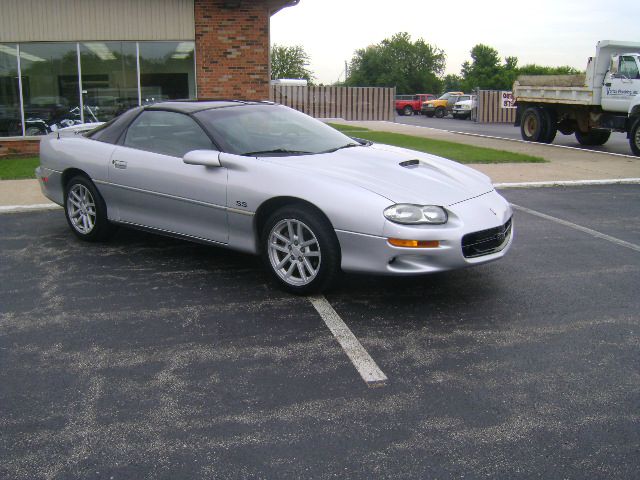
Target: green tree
{"points": [[486, 71], [411, 67], [290, 62], [452, 83], [533, 69]]}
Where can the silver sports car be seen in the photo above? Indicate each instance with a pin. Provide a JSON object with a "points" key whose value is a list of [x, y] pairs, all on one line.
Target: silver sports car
{"points": [[266, 179]]}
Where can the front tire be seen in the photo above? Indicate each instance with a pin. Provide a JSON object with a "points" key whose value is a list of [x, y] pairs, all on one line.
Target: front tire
{"points": [[300, 250], [593, 137], [634, 138], [440, 112], [85, 210]]}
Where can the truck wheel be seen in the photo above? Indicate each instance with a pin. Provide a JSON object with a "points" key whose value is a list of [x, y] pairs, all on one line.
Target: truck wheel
{"points": [[532, 125], [634, 138], [440, 112], [593, 137], [408, 111], [550, 125]]}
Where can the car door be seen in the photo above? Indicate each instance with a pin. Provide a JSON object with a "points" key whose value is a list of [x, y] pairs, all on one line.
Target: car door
{"points": [[621, 86], [157, 189]]}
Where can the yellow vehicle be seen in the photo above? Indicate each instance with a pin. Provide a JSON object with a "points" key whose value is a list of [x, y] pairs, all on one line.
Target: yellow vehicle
{"points": [[440, 107]]}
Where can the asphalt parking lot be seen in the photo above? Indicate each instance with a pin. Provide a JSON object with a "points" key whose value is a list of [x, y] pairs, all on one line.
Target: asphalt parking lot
{"points": [[149, 357]]}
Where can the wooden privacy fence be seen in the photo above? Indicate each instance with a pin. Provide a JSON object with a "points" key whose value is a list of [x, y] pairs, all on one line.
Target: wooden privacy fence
{"points": [[495, 107], [350, 103]]}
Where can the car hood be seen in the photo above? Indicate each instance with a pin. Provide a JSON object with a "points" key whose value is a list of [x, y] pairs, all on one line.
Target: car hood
{"points": [[430, 181]]}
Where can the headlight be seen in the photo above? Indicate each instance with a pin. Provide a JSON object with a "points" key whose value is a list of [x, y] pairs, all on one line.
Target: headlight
{"points": [[409, 214]]}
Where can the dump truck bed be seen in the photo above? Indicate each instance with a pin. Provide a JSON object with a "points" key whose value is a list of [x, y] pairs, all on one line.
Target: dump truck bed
{"points": [[566, 89]]}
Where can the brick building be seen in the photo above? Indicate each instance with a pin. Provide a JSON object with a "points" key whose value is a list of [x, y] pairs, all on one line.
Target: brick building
{"points": [[66, 61]]}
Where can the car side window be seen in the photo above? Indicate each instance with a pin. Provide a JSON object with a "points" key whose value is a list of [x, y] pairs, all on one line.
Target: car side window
{"points": [[167, 133]]}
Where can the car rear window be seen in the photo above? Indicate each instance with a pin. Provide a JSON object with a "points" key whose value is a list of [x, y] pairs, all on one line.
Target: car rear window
{"points": [[111, 131]]}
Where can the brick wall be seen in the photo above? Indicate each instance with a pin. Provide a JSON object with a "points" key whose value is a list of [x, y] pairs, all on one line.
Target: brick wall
{"points": [[19, 147], [232, 50]]}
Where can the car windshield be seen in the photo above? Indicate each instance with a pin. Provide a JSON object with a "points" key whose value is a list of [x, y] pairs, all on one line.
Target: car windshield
{"points": [[270, 130], [445, 96]]}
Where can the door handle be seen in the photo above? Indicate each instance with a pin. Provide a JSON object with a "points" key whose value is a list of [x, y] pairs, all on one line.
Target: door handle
{"points": [[608, 84], [119, 163]]}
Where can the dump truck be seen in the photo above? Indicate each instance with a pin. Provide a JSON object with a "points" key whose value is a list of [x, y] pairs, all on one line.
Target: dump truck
{"points": [[590, 106]]}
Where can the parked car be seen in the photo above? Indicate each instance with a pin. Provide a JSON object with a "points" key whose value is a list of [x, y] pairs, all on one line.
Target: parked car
{"points": [[441, 106], [265, 179], [464, 106], [410, 104]]}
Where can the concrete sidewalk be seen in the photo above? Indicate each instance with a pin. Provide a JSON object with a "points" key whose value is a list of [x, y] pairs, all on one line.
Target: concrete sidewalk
{"points": [[565, 164]]}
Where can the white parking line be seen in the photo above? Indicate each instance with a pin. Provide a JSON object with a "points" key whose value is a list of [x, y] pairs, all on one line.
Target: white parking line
{"points": [[589, 231], [366, 366], [28, 208]]}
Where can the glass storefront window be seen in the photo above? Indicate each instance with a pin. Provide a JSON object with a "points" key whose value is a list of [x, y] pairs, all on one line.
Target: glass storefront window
{"points": [[49, 86], [166, 71], [109, 79], [10, 123]]}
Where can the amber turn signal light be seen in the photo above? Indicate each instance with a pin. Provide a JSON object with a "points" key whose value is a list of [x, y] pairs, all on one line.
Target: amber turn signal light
{"points": [[397, 242]]}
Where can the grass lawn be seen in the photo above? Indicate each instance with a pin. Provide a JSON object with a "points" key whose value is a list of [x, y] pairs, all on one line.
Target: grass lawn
{"points": [[453, 151], [18, 168]]}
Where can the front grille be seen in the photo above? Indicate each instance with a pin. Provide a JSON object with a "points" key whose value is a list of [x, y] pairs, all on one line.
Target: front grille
{"points": [[486, 242]]}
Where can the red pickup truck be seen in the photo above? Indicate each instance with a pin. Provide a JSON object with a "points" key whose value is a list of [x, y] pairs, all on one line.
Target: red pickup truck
{"points": [[408, 104]]}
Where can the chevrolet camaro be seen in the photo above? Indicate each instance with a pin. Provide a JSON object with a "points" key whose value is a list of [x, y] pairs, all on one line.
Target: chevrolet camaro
{"points": [[265, 179]]}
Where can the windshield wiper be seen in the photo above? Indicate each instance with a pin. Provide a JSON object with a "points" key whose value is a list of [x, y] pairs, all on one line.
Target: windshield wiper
{"points": [[277, 150], [348, 145]]}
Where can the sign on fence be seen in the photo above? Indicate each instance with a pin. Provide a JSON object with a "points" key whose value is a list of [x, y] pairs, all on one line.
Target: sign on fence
{"points": [[495, 106], [507, 100]]}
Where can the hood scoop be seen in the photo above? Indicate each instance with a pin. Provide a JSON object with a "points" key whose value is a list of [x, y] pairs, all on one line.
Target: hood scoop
{"points": [[409, 163]]}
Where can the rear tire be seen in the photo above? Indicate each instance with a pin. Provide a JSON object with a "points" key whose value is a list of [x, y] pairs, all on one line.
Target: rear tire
{"points": [[86, 211], [593, 137], [634, 138], [407, 111], [300, 250], [532, 125], [550, 125]]}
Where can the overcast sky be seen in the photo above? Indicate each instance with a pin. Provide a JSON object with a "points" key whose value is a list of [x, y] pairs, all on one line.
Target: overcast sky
{"points": [[546, 32]]}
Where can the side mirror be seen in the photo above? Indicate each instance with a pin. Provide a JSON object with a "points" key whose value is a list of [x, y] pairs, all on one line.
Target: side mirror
{"points": [[206, 158]]}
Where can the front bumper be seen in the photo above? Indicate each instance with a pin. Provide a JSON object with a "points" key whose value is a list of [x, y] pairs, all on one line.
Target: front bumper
{"points": [[374, 254]]}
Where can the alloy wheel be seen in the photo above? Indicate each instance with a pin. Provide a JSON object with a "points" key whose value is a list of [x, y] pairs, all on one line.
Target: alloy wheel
{"points": [[294, 252], [81, 209]]}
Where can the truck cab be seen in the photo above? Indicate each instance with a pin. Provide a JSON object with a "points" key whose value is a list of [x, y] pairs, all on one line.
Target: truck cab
{"points": [[621, 86]]}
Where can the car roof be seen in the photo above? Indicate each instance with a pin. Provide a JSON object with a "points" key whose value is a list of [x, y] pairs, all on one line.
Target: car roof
{"points": [[192, 106]]}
